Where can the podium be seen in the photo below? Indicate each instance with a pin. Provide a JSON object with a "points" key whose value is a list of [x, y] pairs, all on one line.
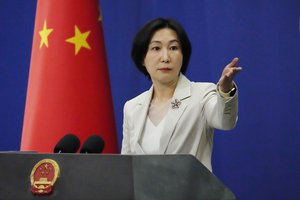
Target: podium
{"points": [[113, 177]]}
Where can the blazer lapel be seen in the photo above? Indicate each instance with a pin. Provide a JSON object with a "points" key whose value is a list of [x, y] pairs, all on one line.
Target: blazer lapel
{"points": [[141, 116], [179, 104]]}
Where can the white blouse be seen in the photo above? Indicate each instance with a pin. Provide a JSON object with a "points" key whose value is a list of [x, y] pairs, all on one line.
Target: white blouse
{"points": [[153, 128]]}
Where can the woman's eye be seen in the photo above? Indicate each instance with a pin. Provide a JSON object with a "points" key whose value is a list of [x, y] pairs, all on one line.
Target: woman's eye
{"points": [[174, 48], [155, 48]]}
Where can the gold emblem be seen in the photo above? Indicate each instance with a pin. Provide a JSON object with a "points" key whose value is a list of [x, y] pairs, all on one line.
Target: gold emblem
{"points": [[43, 176]]}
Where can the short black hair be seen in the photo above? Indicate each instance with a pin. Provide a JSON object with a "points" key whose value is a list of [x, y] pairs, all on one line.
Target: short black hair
{"points": [[142, 39]]}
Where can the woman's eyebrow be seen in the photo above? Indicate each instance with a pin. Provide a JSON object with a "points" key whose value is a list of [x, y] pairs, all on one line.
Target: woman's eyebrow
{"points": [[175, 40], [155, 41], [171, 41]]}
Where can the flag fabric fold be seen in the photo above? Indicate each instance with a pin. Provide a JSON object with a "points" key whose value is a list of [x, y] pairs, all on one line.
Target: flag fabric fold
{"points": [[68, 86]]}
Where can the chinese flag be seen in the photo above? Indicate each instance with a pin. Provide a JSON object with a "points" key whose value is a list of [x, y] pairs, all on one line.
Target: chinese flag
{"points": [[68, 87]]}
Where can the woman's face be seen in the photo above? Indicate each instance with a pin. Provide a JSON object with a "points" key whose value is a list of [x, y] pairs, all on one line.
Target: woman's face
{"points": [[164, 57]]}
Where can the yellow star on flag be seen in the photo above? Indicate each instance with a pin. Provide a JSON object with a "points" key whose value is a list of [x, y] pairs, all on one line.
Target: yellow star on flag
{"points": [[79, 40], [44, 35], [99, 17]]}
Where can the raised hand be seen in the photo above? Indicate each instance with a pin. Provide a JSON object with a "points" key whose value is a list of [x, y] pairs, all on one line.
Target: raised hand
{"points": [[226, 80]]}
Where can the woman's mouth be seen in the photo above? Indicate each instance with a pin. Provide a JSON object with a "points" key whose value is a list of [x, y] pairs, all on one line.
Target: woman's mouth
{"points": [[164, 69]]}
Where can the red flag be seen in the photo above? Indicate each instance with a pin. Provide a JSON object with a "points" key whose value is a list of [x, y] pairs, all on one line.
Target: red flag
{"points": [[68, 87]]}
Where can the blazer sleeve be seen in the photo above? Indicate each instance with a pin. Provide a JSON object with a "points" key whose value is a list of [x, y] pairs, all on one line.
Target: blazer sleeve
{"points": [[126, 138], [221, 112]]}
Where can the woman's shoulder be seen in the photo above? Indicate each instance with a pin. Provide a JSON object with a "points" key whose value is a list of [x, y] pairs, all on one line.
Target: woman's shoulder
{"points": [[137, 100], [203, 85], [197, 85], [203, 88], [201, 91]]}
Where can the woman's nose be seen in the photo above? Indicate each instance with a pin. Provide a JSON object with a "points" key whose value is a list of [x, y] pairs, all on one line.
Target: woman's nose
{"points": [[165, 56]]}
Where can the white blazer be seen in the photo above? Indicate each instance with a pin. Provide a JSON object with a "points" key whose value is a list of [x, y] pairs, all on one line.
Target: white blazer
{"points": [[189, 123]]}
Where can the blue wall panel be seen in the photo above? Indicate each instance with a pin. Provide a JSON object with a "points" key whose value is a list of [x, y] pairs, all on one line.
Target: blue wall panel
{"points": [[259, 159]]}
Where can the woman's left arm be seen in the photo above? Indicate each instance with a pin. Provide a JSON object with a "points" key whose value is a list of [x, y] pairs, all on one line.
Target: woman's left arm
{"points": [[222, 106]]}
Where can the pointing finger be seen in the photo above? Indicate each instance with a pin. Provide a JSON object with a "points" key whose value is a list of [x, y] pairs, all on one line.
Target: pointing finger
{"points": [[233, 62]]}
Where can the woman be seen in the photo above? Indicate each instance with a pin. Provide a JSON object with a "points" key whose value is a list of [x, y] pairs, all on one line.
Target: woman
{"points": [[175, 116]]}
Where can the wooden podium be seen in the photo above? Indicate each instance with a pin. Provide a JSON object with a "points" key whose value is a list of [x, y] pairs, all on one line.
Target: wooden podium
{"points": [[112, 177]]}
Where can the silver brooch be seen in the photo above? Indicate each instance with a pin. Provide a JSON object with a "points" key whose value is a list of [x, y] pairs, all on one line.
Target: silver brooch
{"points": [[175, 104]]}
